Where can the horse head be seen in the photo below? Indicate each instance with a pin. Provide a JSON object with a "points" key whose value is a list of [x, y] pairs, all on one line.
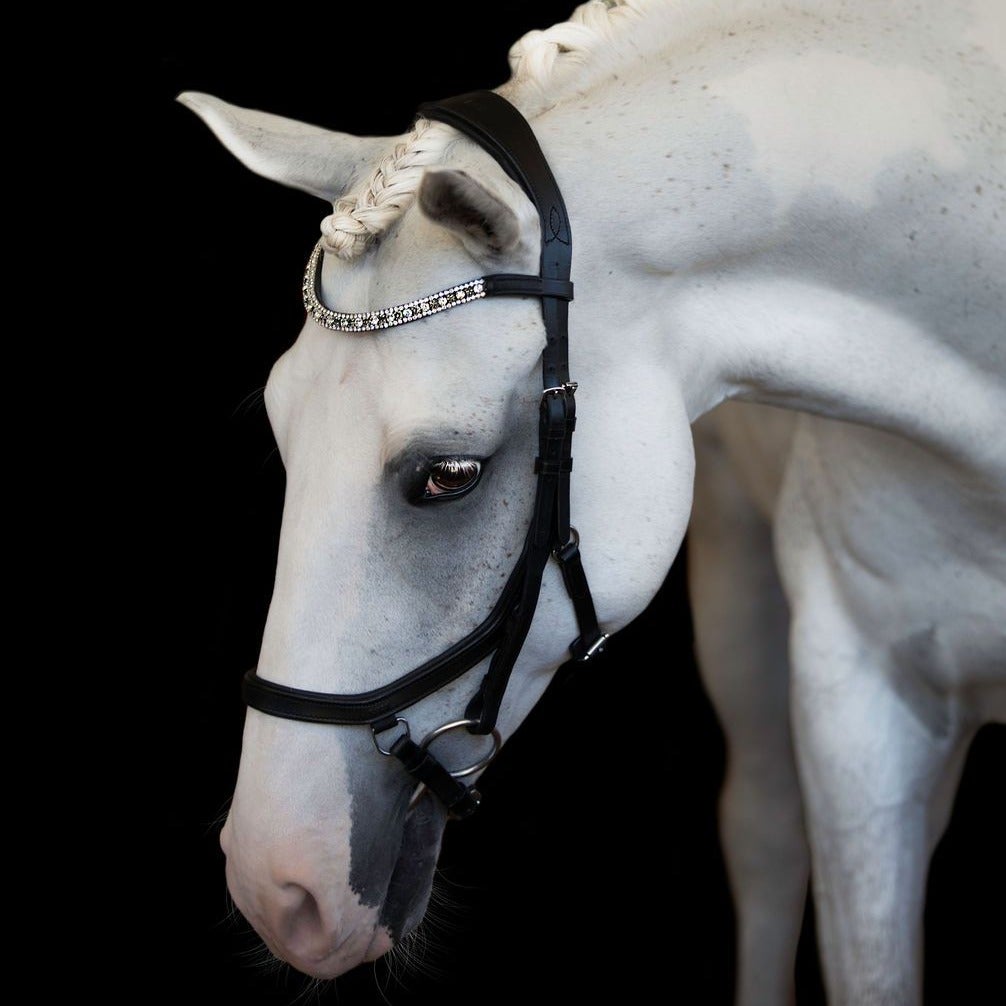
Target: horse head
{"points": [[409, 454]]}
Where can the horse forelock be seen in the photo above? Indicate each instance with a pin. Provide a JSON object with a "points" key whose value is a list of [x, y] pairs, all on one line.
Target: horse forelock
{"points": [[358, 217]]}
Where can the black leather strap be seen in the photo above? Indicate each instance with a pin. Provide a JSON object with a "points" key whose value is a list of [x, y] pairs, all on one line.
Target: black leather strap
{"points": [[495, 124], [369, 707], [591, 638], [514, 285]]}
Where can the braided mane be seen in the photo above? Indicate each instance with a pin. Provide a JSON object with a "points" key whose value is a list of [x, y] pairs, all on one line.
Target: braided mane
{"points": [[541, 63]]}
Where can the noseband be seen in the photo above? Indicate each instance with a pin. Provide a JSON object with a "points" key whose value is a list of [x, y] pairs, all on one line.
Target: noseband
{"points": [[500, 129]]}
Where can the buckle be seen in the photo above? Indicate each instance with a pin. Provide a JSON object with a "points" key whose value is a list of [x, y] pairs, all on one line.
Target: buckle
{"points": [[563, 553], [383, 726], [595, 648], [566, 388]]}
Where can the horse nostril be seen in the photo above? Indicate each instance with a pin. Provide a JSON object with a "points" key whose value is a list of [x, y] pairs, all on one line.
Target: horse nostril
{"points": [[302, 928], [295, 919]]}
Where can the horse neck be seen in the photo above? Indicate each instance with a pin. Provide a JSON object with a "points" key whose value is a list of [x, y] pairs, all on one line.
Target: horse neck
{"points": [[741, 278]]}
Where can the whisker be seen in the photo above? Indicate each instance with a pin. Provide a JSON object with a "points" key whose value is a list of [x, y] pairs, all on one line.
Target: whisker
{"points": [[443, 880], [232, 917], [313, 990], [256, 956], [251, 402], [272, 453], [426, 952], [217, 821]]}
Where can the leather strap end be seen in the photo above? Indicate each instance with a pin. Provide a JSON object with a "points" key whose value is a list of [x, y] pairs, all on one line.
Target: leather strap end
{"points": [[517, 285]]}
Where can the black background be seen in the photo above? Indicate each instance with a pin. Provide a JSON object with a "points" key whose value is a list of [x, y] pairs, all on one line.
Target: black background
{"points": [[594, 863]]}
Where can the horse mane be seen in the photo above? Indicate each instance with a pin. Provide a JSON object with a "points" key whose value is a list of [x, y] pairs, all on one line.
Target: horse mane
{"points": [[545, 67], [543, 64]]}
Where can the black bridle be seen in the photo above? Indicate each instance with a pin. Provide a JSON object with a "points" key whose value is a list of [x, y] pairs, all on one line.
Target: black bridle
{"points": [[499, 128]]}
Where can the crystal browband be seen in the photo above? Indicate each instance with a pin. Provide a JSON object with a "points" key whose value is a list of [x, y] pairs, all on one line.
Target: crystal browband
{"points": [[498, 284], [387, 317]]}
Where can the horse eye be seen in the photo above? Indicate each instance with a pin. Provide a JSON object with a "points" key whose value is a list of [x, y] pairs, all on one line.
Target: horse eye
{"points": [[451, 477]]}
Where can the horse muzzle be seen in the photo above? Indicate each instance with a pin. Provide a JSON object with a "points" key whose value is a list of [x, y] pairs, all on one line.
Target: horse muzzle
{"points": [[325, 903]]}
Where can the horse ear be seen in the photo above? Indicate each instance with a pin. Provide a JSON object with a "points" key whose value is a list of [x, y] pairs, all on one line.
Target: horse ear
{"points": [[485, 224], [293, 153]]}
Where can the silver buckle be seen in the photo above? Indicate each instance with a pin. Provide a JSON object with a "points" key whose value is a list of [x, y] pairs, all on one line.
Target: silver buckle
{"points": [[568, 387], [376, 733], [573, 539]]}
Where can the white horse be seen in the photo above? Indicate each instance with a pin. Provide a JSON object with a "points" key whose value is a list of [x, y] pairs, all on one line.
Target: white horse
{"points": [[784, 204]]}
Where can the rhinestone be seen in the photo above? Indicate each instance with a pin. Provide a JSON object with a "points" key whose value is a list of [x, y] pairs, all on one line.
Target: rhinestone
{"points": [[368, 321]]}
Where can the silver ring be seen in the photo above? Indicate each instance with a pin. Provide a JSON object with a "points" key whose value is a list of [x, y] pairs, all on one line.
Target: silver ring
{"points": [[454, 725]]}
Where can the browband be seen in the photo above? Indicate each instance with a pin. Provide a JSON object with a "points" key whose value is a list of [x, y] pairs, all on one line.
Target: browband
{"points": [[496, 285]]}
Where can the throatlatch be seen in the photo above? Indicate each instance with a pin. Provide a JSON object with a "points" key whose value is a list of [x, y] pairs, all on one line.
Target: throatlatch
{"points": [[493, 123]]}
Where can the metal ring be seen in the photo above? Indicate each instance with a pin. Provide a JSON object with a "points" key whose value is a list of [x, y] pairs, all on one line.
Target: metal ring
{"points": [[454, 725], [374, 733]]}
